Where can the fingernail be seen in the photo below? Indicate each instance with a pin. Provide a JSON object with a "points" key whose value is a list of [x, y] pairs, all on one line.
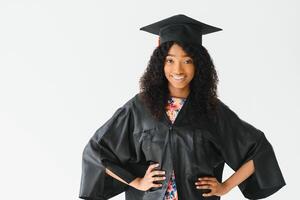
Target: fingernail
{"points": [[157, 164]]}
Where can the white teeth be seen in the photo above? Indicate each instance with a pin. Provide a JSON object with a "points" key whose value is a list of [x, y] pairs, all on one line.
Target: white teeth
{"points": [[178, 77]]}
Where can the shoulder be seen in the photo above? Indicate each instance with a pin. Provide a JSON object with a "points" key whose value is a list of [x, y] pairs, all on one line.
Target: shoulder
{"points": [[132, 105], [221, 104], [136, 113], [229, 120], [224, 108], [220, 107]]}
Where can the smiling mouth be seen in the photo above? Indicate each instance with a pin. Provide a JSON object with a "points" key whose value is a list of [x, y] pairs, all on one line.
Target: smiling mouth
{"points": [[178, 78]]}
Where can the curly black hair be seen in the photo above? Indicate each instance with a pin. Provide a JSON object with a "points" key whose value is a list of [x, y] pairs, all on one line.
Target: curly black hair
{"points": [[203, 87]]}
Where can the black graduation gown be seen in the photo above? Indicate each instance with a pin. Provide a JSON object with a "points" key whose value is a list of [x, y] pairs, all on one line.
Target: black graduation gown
{"points": [[131, 138]]}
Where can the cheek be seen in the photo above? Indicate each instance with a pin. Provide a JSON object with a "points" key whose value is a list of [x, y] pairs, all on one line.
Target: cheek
{"points": [[191, 71], [166, 70]]}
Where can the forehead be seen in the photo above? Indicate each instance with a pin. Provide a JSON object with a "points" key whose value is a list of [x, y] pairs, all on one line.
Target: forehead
{"points": [[177, 51]]}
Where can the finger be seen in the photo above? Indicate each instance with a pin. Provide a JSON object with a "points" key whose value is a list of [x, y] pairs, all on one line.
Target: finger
{"points": [[151, 167], [159, 178], [209, 182], [203, 187], [207, 178], [208, 194], [157, 172], [156, 185]]}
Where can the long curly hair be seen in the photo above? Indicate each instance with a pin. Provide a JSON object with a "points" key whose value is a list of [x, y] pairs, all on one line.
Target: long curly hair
{"points": [[203, 87]]}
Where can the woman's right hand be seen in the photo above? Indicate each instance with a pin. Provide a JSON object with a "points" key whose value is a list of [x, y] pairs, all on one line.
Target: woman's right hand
{"points": [[146, 182]]}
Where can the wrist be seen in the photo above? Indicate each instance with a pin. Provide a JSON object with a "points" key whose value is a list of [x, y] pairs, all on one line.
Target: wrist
{"points": [[135, 182], [227, 186]]}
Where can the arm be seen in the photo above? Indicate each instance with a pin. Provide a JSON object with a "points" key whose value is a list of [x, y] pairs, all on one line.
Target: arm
{"points": [[110, 147], [146, 182], [133, 183], [240, 175], [241, 142], [220, 189]]}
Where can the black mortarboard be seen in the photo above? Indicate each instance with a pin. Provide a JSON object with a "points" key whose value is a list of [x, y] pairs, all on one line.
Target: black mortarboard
{"points": [[180, 28]]}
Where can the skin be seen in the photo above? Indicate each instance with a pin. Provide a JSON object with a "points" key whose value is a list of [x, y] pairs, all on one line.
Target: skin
{"points": [[219, 189], [143, 183], [177, 62]]}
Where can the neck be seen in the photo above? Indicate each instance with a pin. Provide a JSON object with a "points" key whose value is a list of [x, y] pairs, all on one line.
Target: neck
{"points": [[179, 93]]}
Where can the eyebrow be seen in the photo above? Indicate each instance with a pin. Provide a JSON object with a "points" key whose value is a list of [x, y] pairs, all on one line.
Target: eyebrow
{"points": [[176, 56]]}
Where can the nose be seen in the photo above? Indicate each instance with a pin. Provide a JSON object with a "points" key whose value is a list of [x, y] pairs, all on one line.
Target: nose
{"points": [[177, 69]]}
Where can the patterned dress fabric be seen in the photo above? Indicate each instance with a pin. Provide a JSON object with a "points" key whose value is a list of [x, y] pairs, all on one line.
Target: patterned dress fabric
{"points": [[173, 107]]}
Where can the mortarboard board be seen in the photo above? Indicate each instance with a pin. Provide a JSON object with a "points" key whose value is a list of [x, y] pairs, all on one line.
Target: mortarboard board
{"points": [[180, 28]]}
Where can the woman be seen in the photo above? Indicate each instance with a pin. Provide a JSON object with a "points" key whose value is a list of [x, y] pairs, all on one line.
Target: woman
{"points": [[171, 140]]}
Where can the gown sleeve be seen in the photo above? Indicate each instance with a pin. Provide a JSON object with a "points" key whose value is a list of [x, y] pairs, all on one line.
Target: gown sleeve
{"points": [[241, 142], [110, 147]]}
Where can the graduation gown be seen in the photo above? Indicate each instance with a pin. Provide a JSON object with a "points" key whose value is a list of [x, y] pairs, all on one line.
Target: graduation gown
{"points": [[131, 139]]}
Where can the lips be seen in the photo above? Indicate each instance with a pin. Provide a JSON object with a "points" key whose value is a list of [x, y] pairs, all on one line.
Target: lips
{"points": [[178, 78]]}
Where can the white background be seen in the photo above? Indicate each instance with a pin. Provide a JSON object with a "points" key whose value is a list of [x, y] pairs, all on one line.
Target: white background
{"points": [[66, 66]]}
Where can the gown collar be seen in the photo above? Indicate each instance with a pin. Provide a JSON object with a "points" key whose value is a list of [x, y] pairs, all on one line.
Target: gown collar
{"points": [[182, 116]]}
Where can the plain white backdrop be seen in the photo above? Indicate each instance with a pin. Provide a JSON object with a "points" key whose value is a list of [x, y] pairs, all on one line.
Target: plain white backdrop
{"points": [[66, 66]]}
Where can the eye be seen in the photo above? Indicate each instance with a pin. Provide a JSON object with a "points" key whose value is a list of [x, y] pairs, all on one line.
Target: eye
{"points": [[169, 60], [189, 61]]}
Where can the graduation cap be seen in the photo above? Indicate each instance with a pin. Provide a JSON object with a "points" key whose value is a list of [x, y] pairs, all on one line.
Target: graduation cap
{"points": [[180, 28]]}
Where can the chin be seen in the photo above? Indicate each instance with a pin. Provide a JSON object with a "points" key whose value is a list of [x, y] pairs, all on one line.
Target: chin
{"points": [[178, 86]]}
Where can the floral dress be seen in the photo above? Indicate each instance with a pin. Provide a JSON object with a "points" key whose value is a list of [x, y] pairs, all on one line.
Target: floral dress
{"points": [[173, 107]]}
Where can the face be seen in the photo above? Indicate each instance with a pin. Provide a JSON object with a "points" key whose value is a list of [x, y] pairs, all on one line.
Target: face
{"points": [[179, 70]]}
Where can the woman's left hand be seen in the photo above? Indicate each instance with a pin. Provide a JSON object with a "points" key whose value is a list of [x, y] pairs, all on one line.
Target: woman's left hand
{"points": [[217, 188]]}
